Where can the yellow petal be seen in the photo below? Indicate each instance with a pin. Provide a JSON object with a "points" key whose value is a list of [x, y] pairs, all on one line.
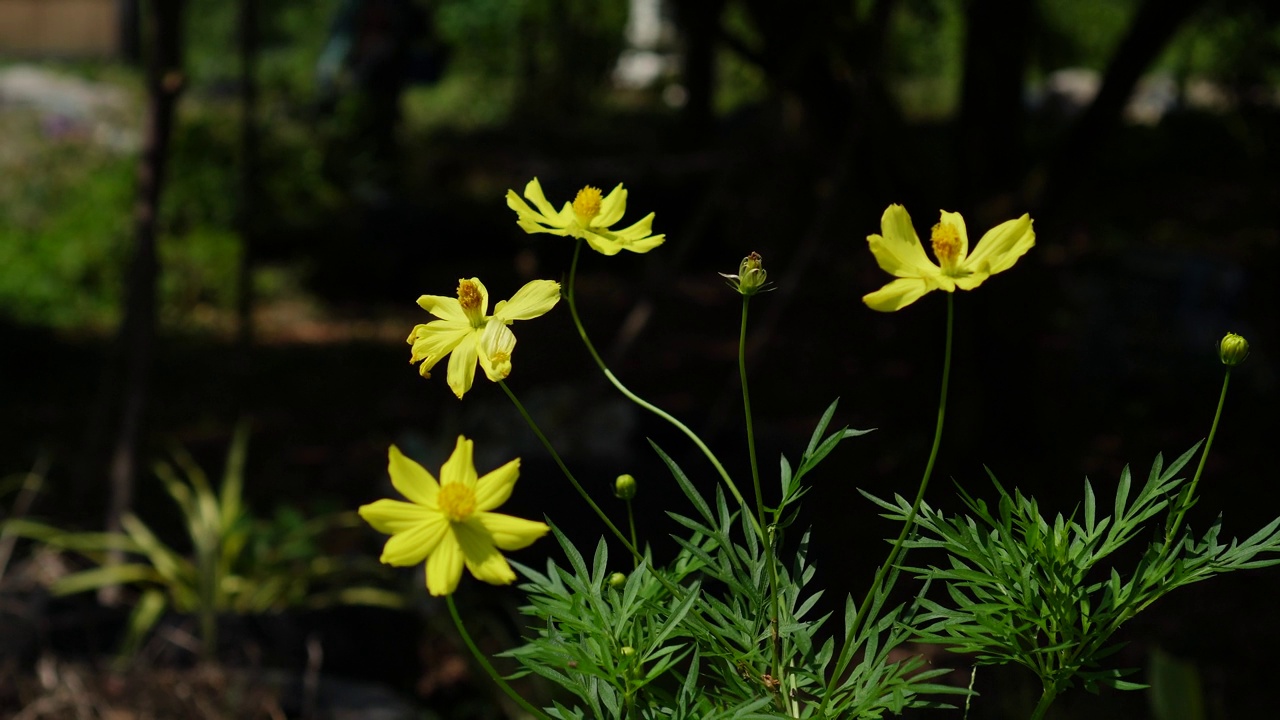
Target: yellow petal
{"points": [[436, 339], [957, 221], [496, 345], [495, 487], [444, 566], [411, 479], [898, 250], [511, 533], [971, 281], [533, 191], [897, 294], [1002, 245], [638, 231], [445, 308], [462, 365], [460, 467], [611, 208], [645, 245], [393, 516], [602, 244], [535, 298], [482, 558], [413, 546]]}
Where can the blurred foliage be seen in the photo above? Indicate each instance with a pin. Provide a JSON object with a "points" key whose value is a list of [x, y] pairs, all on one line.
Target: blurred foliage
{"points": [[66, 202]]}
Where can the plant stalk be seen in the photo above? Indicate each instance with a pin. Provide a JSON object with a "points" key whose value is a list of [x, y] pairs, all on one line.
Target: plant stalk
{"points": [[488, 667]]}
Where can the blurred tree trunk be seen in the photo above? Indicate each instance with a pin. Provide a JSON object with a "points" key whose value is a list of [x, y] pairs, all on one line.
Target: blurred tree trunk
{"points": [[249, 173], [992, 119], [163, 29], [1153, 26]]}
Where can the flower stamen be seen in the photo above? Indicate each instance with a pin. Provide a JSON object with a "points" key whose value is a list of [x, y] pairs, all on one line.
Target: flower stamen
{"points": [[946, 245], [457, 501], [587, 203]]}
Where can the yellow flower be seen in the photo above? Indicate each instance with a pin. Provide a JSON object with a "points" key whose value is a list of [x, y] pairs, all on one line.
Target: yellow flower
{"points": [[448, 524], [464, 330], [899, 253], [589, 217]]}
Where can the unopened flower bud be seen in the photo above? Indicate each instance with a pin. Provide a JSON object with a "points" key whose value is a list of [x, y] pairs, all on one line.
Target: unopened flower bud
{"points": [[617, 580], [1233, 350], [624, 487], [627, 651], [751, 277]]}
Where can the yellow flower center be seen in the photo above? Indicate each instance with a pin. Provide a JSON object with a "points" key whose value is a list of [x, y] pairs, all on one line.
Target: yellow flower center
{"points": [[457, 501], [587, 204], [946, 244], [470, 299]]}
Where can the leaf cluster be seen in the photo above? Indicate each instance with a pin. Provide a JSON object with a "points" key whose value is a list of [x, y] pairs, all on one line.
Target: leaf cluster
{"points": [[237, 563], [1048, 594], [705, 637]]}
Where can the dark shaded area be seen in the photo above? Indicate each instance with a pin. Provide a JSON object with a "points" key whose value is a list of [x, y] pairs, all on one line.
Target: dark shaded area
{"points": [[1096, 351]]}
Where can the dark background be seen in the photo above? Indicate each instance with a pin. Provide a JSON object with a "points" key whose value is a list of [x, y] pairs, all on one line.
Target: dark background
{"points": [[785, 132]]}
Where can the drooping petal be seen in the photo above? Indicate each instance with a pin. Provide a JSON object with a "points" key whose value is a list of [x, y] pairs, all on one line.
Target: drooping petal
{"points": [[536, 298], [496, 345], [495, 487], [603, 244], [393, 516], [972, 280], [462, 365], [1002, 245], [898, 250], [443, 307], [415, 545], [611, 208], [897, 294], [482, 558], [460, 467], [411, 479], [645, 245], [436, 339], [511, 533], [444, 566], [956, 221]]}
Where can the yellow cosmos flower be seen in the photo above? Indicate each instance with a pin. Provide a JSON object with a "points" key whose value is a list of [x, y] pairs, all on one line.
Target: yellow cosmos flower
{"points": [[899, 253], [465, 330], [589, 217], [448, 523]]}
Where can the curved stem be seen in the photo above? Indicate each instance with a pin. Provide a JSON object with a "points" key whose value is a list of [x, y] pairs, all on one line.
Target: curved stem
{"points": [[1176, 522], [746, 407], [582, 332], [488, 667], [846, 652], [635, 552]]}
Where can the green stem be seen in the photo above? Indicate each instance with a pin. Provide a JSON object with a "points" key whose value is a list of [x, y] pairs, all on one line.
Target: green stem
{"points": [[846, 651], [746, 407], [631, 521], [1176, 522], [1046, 699], [771, 560], [488, 667], [635, 552], [582, 332]]}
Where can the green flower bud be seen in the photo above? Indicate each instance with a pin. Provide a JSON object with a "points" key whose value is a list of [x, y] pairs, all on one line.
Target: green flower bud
{"points": [[617, 580], [627, 651], [751, 277], [1233, 350], [624, 487]]}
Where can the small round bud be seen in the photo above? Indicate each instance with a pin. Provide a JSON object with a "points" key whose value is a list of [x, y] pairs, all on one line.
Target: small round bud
{"points": [[624, 487], [751, 277], [627, 651], [1233, 350], [617, 580]]}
